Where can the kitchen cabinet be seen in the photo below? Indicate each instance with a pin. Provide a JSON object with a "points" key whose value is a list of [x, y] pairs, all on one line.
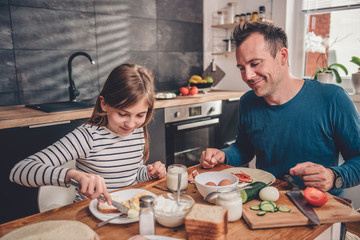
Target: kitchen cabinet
{"points": [[17, 144], [227, 129]]}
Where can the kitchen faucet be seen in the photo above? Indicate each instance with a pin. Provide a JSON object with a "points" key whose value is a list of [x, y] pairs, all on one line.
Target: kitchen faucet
{"points": [[73, 92]]}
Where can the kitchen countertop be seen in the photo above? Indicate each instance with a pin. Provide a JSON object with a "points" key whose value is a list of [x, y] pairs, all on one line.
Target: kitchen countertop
{"points": [[21, 116]]}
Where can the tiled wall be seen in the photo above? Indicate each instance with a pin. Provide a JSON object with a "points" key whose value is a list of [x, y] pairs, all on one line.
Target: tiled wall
{"points": [[37, 37]]}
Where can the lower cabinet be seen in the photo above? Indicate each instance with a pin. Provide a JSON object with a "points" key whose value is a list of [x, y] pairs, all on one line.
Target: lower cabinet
{"points": [[17, 144], [227, 129]]}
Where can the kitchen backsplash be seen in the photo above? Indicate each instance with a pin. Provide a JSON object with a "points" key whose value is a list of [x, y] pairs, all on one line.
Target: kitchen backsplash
{"points": [[37, 37]]}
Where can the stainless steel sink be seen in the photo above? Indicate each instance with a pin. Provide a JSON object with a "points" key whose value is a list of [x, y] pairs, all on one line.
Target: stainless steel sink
{"points": [[62, 106]]}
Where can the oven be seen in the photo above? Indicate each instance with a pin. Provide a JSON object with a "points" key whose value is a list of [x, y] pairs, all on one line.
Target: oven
{"points": [[190, 129]]}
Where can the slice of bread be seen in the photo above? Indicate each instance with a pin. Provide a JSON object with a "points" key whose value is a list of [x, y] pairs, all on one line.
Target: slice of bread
{"points": [[206, 222], [105, 208]]}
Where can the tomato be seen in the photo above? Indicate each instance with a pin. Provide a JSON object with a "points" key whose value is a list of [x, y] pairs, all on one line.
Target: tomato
{"points": [[315, 197], [194, 90], [184, 91], [242, 177]]}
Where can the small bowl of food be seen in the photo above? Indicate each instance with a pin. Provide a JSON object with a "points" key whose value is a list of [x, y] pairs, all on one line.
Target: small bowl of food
{"points": [[168, 213], [215, 182]]}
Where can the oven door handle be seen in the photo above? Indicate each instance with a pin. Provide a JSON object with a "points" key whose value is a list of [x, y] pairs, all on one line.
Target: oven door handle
{"points": [[198, 124]]}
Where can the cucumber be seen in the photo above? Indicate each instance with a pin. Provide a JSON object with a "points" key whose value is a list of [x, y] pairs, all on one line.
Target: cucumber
{"points": [[256, 208], [267, 207], [284, 209], [252, 193], [261, 213]]}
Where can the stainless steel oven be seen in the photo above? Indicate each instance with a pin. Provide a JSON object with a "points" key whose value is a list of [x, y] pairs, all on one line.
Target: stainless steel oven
{"points": [[190, 129]]}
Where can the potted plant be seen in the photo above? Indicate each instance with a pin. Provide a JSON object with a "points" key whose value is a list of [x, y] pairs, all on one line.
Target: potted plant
{"points": [[324, 73], [356, 76]]}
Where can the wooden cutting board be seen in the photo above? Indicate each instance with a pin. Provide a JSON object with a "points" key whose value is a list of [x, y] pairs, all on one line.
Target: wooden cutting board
{"points": [[332, 212]]}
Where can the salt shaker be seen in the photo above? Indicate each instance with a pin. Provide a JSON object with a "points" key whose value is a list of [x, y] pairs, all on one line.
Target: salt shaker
{"points": [[146, 216]]}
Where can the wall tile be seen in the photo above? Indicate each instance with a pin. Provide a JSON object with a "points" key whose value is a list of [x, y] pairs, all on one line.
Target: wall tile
{"points": [[127, 8], [180, 10], [36, 28], [4, 1], [45, 70], [177, 67], [5, 33], [7, 71], [108, 60], [179, 36], [74, 5], [118, 33], [9, 98]]}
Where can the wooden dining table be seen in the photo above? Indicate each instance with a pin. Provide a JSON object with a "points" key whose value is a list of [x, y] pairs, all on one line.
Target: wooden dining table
{"points": [[79, 211]]}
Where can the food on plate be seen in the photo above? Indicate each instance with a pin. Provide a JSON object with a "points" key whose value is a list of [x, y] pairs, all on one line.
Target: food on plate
{"points": [[315, 197], [253, 192], [165, 95], [53, 229], [206, 222], [269, 206], [210, 184], [243, 177], [133, 205], [225, 182], [269, 193]]}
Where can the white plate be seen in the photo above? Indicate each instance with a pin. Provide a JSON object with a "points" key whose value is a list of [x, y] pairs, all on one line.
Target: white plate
{"points": [[127, 194], [165, 95], [257, 175], [157, 237]]}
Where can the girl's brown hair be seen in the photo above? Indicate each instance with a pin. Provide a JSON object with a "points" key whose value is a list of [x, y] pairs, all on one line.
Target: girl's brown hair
{"points": [[126, 85]]}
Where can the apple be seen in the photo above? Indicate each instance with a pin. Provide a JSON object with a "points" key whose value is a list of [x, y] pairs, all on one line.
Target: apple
{"points": [[194, 90], [209, 79], [184, 91]]}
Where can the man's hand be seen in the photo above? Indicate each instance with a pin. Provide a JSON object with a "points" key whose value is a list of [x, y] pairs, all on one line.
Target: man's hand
{"points": [[211, 157], [314, 175], [156, 170]]}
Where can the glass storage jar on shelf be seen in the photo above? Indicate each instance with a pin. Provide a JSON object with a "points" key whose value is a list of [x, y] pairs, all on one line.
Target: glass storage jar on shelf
{"points": [[231, 12]]}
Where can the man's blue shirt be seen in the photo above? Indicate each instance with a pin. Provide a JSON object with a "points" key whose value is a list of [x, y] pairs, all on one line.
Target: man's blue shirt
{"points": [[316, 125]]}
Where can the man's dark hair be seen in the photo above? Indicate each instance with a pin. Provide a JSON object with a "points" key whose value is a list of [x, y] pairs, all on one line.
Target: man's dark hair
{"points": [[274, 36]]}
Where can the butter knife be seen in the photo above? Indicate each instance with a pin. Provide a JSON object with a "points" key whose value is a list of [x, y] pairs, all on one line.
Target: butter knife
{"points": [[121, 207]]}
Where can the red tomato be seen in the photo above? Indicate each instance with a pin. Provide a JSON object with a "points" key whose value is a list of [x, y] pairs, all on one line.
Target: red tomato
{"points": [[184, 91], [315, 197], [194, 90]]}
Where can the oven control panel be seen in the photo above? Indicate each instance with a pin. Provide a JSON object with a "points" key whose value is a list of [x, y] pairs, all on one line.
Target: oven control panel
{"points": [[193, 111]]}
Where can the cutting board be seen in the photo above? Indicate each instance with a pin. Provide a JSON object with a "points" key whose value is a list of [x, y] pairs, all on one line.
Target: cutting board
{"points": [[333, 211]]}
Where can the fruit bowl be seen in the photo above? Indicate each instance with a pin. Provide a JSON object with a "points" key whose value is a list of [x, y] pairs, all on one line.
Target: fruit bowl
{"points": [[201, 85]]}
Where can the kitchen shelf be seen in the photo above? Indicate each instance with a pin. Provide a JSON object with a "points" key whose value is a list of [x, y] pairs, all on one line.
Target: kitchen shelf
{"points": [[233, 25], [223, 53]]}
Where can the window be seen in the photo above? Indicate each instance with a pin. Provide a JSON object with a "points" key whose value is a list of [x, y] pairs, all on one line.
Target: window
{"points": [[338, 25]]}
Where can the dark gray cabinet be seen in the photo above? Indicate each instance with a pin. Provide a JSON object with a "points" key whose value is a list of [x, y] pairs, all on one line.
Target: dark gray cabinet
{"points": [[227, 128]]}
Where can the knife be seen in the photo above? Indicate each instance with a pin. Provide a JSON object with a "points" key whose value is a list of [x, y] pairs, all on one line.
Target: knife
{"points": [[300, 202], [120, 206]]}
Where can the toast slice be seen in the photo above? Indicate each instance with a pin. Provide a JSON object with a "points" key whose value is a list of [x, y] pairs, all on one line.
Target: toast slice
{"points": [[105, 208]]}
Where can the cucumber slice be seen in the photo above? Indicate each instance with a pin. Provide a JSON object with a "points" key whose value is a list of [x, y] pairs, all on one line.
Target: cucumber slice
{"points": [[284, 209], [256, 207], [261, 213], [267, 207]]}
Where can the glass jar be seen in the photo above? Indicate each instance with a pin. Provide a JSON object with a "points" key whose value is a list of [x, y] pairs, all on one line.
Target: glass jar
{"points": [[248, 17], [233, 202], [221, 16], [172, 177], [146, 216], [231, 12], [254, 16], [262, 13], [237, 18]]}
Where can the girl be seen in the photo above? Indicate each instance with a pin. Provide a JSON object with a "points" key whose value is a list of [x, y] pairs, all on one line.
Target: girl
{"points": [[110, 149]]}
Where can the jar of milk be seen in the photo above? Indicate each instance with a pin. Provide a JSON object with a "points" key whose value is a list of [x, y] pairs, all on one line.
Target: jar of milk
{"points": [[233, 202], [172, 177]]}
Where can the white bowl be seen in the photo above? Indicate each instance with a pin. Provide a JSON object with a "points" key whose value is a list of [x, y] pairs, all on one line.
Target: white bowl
{"points": [[167, 213], [215, 177]]}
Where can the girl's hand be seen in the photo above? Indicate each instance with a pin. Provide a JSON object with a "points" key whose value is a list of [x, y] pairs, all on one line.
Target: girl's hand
{"points": [[92, 186], [156, 170]]}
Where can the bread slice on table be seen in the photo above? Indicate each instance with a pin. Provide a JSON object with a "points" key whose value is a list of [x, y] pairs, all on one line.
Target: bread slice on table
{"points": [[206, 222], [105, 208]]}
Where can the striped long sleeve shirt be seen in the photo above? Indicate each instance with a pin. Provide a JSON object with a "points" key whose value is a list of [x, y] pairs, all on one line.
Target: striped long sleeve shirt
{"points": [[97, 150]]}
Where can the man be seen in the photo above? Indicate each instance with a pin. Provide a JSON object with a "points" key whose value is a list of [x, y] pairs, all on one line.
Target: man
{"points": [[291, 125]]}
